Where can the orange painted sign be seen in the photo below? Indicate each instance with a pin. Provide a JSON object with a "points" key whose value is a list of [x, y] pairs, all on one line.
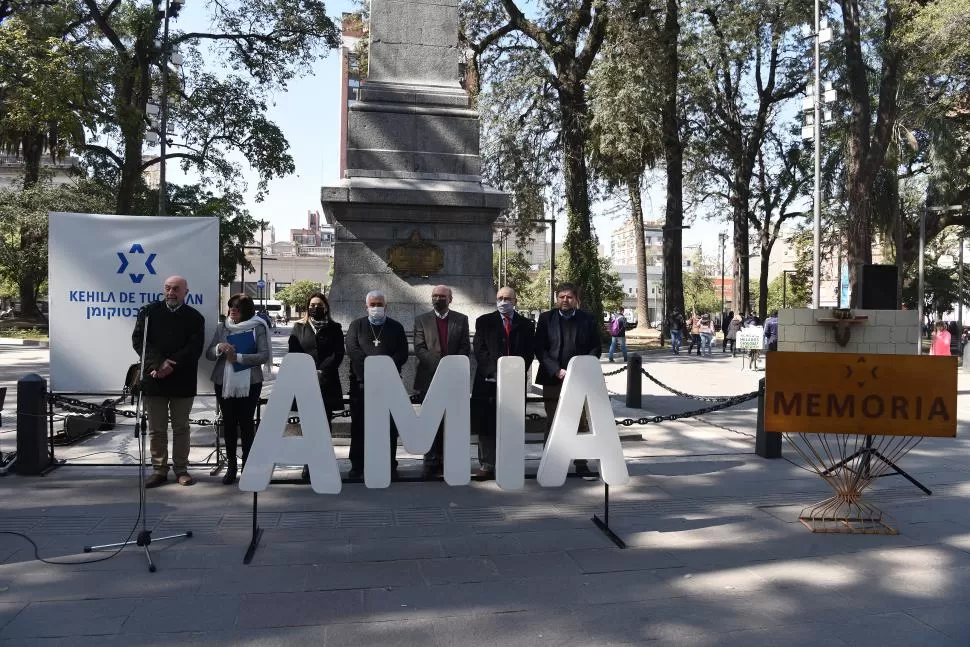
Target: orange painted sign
{"points": [[842, 393]]}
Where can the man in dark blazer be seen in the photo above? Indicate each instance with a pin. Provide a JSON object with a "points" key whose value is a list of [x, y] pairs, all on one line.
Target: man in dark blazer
{"points": [[375, 334], [561, 334], [437, 333], [502, 333]]}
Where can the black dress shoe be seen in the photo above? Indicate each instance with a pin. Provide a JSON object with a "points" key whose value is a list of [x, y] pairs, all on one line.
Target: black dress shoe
{"points": [[483, 474], [355, 473], [230, 476], [305, 475], [582, 469]]}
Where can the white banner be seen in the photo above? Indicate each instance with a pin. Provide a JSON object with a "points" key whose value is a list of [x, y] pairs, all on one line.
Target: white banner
{"points": [[102, 270], [751, 338]]}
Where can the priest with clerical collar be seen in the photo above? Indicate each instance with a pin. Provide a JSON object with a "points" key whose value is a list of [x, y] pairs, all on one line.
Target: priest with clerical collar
{"points": [[374, 334]]}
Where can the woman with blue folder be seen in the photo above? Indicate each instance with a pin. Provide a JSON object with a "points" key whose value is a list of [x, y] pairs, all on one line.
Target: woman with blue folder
{"points": [[239, 347]]}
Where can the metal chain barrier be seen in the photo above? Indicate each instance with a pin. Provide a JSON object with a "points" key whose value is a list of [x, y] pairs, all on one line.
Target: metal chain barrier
{"points": [[80, 406], [732, 402], [701, 398], [616, 372]]}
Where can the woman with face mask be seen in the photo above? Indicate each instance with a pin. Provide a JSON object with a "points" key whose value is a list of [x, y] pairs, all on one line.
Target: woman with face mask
{"points": [[321, 338], [239, 347]]}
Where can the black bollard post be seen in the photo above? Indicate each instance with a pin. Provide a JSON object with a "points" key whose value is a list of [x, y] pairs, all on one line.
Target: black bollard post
{"points": [[32, 457], [766, 444], [634, 382]]}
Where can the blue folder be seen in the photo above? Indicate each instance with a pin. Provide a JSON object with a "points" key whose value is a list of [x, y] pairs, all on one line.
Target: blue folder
{"points": [[245, 344]]}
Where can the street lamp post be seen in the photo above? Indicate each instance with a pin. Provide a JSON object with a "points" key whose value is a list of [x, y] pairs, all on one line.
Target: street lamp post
{"points": [[784, 286], [172, 8], [723, 238]]}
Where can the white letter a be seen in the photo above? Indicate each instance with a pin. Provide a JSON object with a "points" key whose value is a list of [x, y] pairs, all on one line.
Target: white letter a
{"points": [[297, 379]]}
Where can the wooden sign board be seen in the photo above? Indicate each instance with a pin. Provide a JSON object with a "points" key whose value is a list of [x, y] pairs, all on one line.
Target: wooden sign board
{"points": [[843, 393]]}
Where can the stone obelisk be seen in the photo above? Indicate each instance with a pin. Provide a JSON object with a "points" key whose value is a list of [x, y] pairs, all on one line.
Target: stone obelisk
{"points": [[411, 211]]}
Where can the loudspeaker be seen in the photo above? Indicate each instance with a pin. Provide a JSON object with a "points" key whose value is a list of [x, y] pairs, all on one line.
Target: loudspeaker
{"points": [[32, 455], [879, 287]]}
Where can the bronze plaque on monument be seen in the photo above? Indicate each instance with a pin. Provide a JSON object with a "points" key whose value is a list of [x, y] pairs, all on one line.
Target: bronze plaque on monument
{"points": [[415, 257]]}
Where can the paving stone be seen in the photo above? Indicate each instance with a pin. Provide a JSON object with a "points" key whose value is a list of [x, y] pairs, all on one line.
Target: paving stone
{"points": [[51, 583], [9, 610], [559, 540], [950, 619], [395, 549], [299, 609], [454, 570], [186, 613], [405, 633], [535, 565], [605, 560], [75, 618], [271, 553], [363, 575], [894, 629], [470, 545], [253, 579]]}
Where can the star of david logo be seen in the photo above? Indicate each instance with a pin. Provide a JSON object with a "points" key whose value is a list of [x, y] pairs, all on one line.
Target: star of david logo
{"points": [[125, 261]]}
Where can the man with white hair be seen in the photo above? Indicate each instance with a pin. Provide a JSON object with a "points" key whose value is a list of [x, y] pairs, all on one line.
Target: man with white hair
{"points": [[373, 334]]}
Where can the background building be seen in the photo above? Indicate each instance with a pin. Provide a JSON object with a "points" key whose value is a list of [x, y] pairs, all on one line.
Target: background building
{"points": [[12, 170]]}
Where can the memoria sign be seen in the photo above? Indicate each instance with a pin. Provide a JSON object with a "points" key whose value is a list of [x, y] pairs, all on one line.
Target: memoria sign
{"points": [[840, 393]]}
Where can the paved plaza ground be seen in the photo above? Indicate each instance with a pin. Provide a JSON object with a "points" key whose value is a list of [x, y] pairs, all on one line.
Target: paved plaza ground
{"points": [[716, 557]]}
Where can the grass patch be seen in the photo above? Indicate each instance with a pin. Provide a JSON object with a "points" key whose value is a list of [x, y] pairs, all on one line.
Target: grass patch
{"points": [[24, 333]]}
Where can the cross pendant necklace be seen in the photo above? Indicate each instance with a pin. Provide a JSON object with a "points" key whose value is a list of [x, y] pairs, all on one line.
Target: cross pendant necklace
{"points": [[377, 337]]}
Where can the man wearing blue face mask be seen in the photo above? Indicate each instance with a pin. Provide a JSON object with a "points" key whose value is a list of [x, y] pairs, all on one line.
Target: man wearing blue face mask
{"points": [[375, 334], [498, 334]]}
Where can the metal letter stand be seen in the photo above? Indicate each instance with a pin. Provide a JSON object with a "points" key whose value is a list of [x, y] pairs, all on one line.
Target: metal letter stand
{"points": [[144, 538], [604, 523]]}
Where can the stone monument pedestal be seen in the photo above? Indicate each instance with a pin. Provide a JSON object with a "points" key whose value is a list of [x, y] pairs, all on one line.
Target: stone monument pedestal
{"points": [[411, 211]]}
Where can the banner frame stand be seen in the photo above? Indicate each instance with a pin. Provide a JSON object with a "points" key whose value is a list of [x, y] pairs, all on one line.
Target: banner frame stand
{"points": [[54, 463], [257, 532], [604, 523]]}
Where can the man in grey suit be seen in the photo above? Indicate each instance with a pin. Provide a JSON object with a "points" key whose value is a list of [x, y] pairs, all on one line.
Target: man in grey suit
{"points": [[437, 333]]}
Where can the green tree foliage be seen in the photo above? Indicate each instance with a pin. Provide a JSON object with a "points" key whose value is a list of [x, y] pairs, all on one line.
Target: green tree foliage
{"points": [[559, 46], [296, 295], [625, 128], [941, 290], [236, 226], [513, 271], [23, 258], [257, 45], [612, 286]]}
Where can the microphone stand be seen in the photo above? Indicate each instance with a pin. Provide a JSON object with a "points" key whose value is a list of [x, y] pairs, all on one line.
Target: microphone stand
{"points": [[144, 538]]}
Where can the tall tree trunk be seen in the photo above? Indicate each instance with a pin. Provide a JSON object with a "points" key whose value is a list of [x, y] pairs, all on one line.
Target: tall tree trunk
{"points": [[32, 150], [580, 245], [673, 235], [763, 279], [866, 143], [742, 246], [640, 245]]}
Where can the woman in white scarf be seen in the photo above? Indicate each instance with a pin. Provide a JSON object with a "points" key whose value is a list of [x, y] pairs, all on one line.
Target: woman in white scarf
{"points": [[240, 345]]}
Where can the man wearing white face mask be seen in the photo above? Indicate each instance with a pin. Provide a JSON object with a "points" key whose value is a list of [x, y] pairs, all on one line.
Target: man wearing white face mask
{"points": [[375, 334], [497, 334]]}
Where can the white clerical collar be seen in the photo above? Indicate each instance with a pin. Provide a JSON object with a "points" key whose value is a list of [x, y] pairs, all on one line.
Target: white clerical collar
{"points": [[441, 316]]}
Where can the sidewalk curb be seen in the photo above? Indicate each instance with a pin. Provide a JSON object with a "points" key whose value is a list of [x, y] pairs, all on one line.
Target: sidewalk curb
{"points": [[15, 341]]}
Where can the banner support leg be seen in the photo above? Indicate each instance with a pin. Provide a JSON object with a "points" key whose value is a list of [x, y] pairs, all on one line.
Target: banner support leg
{"points": [[604, 523], [257, 532]]}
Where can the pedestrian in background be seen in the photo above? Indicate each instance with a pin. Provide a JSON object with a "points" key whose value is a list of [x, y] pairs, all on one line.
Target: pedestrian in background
{"points": [[695, 333], [941, 340], [676, 322], [618, 333], [706, 329], [732, 333], [771, 331]]}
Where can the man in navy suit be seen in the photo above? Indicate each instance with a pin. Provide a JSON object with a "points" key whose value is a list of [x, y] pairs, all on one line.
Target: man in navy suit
{"points": [[502, 333], [561, 334], [437, 333]]}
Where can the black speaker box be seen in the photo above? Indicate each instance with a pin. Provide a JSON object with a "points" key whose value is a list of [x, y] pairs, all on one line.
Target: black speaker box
{"points": [[879, 287]]}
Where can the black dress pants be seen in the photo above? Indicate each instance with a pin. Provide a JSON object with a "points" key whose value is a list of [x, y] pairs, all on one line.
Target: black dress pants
{"points": [[239, 420], [357, 432]]}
